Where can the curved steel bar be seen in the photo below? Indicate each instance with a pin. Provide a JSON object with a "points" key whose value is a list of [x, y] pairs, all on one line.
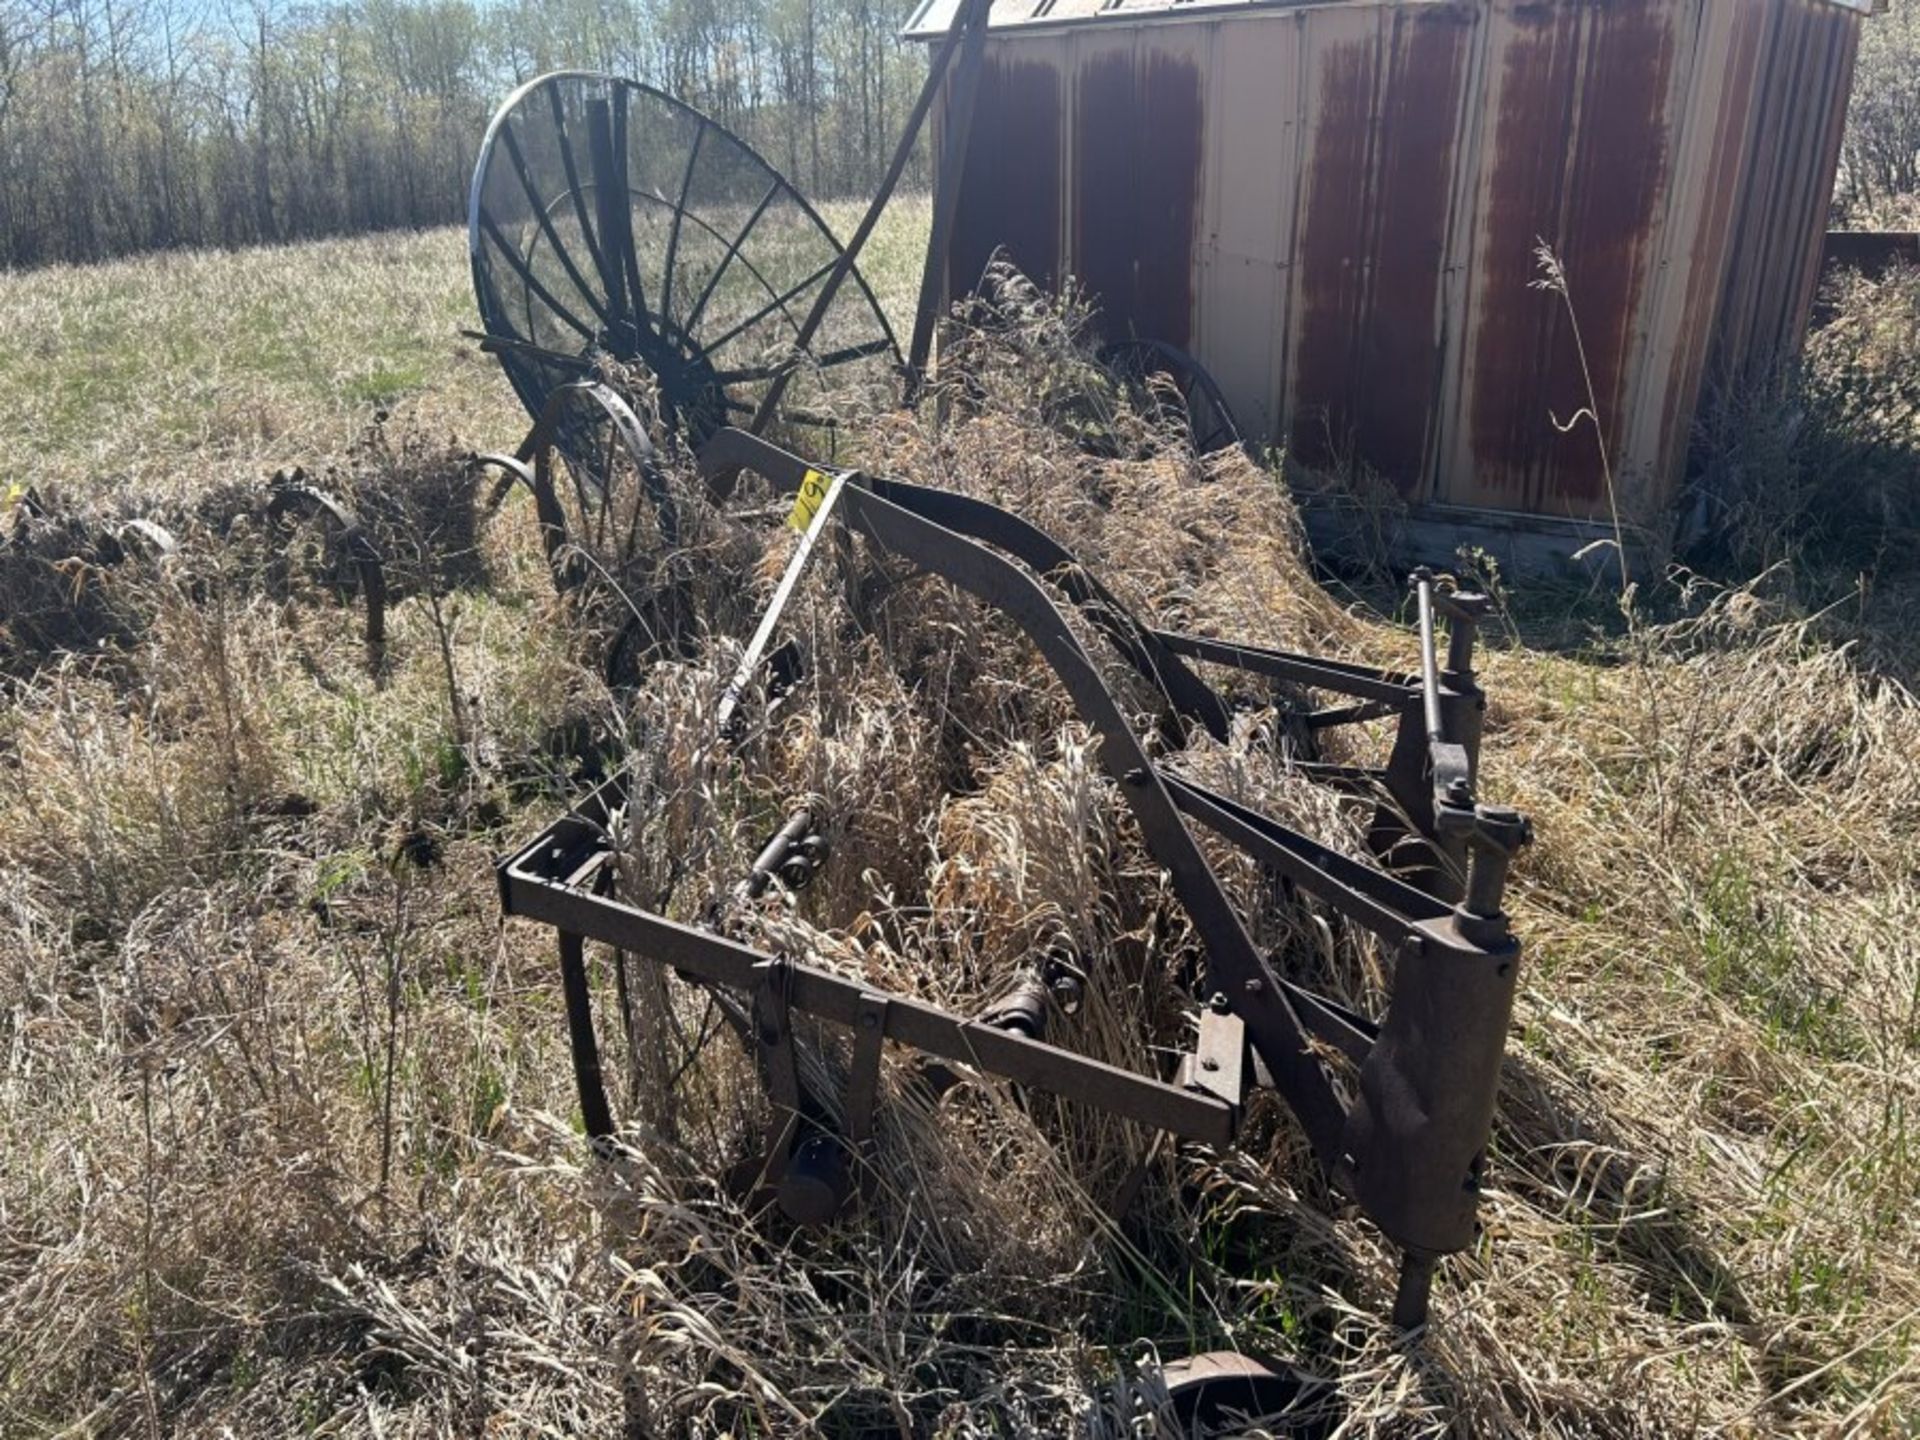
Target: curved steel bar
{"points": [[731, 450], [317, 504], [1236, 965], [511, 468], [547, 438]]}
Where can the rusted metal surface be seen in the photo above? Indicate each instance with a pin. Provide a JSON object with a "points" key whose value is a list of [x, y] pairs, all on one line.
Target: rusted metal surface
{"points": [[1773, 266], [1372, 240], [1138, 126], [1579, 158], [293, 496], [1355, 256], [1010, 195]]}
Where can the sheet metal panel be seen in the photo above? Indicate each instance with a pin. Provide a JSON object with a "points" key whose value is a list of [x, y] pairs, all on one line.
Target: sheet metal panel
{"points": [[1255, 67], [1011, 191], [934, 16], [1580, 157], [1337, 206], [1713, 161], [1139, 148], [1385, 96], [1793, 150]]}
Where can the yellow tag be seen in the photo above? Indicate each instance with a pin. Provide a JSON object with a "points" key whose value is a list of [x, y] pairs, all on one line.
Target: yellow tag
{"points": [[13, 495], [813, 490]]}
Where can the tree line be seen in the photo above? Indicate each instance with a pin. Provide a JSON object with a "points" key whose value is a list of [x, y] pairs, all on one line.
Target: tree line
{"points": [[130, 125]]}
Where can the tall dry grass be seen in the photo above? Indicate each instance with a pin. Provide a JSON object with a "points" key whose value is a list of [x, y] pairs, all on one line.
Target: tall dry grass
{"points": [[288, 1126]]}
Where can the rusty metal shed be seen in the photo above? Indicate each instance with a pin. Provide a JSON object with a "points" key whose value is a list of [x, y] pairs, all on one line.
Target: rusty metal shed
{"points": [[1335, 207]]}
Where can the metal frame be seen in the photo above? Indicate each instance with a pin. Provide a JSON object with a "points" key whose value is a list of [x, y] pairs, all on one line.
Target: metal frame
{"points": [[1407, 1144]]}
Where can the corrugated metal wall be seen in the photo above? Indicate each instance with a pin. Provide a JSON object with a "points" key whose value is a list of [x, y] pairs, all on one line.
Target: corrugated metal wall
{"points": [[1336, 208]]}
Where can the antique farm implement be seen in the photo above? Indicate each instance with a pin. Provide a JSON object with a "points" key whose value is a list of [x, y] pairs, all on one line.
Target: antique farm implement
{"points": [[1408, 1141], [650, 283]]}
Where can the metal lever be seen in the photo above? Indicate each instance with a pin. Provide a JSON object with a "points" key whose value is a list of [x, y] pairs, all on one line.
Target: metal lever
{"points": [[1452, 766]]}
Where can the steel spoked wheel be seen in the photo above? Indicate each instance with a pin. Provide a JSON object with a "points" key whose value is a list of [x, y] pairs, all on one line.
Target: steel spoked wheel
{"points": [[608, 520], [317, 536], [609, 221], [1167, 383]]}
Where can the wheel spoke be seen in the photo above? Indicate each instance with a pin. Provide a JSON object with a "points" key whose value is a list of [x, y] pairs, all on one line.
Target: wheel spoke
{"points": [[635, 290], [779, 302], [525, 272], [713, 280], [679, 211], [575, 191], [546, 224]]}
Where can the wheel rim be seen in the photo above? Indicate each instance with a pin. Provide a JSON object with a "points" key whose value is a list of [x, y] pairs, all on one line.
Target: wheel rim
{"points": [[703, 275]]}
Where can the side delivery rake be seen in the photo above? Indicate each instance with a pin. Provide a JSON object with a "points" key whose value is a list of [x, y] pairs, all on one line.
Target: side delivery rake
{"points": [[1405, 1139]]}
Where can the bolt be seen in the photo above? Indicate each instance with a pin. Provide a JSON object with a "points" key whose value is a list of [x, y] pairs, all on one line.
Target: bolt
{"points": [[869, 1020], [1135, 777], [1217, 1002], [1209, 1063], [1255, 986]]}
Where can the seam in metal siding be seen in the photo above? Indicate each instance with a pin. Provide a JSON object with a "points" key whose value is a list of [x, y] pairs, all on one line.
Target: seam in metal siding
{"points": [[1243, 308], [1336, 206], [1720, 106]]}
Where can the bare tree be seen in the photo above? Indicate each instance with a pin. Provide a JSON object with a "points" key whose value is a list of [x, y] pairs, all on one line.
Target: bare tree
{"points": [[129, 124]]}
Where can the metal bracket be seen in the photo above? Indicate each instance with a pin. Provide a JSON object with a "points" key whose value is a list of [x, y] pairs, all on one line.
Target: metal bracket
{"points": [[773, 1036], [863, 1079], [1218, 1065]]}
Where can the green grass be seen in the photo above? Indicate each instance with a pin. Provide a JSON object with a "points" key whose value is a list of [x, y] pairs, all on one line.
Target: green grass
{"points": [[165, 371]]}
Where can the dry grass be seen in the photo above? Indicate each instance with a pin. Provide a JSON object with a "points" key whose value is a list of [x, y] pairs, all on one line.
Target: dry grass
{"points": [[287, 1118]]}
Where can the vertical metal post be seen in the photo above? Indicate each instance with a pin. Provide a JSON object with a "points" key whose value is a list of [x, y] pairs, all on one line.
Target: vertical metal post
{"points": [[595, 1113], [903, 152], [1415, 1289], [1465, 702], [946, 187], [773, 1038]]}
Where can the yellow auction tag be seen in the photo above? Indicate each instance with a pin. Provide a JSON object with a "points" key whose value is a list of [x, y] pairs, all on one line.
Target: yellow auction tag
{"points": [[813, 490]]}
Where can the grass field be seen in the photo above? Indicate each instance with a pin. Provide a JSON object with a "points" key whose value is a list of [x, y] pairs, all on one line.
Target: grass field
{"points": [[182, 370], [288, 1137]]}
